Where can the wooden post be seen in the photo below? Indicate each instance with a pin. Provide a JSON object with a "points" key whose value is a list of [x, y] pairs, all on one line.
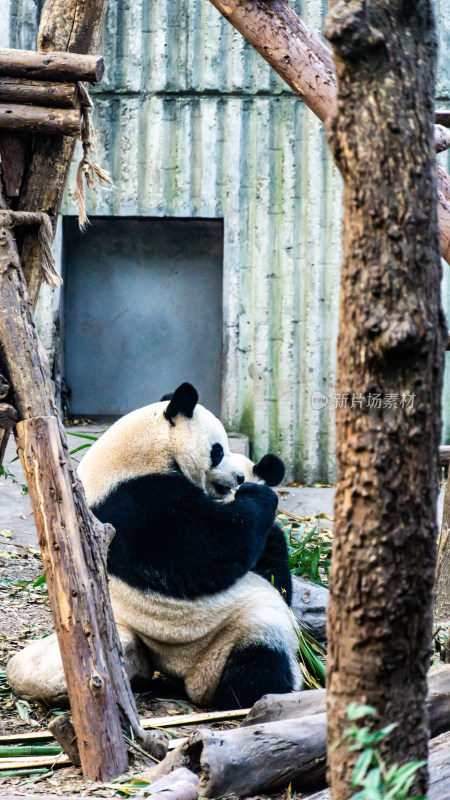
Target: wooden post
{"points": [[74, 605], [75, 564], [306, 64]]}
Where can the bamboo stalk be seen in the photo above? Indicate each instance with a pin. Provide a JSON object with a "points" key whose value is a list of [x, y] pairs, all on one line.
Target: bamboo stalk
{"points": [[150, 722]]}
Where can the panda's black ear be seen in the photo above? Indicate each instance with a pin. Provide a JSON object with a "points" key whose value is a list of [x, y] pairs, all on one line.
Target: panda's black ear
{"points": [[183, 401], [270, 469], [166, 397]]}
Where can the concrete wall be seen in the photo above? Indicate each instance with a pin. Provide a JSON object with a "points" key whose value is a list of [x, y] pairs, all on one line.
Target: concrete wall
{"points": [[191, 122]]}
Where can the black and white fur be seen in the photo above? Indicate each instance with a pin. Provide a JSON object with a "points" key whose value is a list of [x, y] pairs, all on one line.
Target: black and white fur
{"points": [[273, 563], [181, 563]]}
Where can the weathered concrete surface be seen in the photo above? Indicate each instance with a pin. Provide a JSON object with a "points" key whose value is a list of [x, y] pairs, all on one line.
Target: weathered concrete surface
{"points": [[16, 515]]}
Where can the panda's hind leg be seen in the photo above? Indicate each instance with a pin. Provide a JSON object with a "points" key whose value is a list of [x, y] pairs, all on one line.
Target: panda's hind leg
{"points": [[251, 672]]}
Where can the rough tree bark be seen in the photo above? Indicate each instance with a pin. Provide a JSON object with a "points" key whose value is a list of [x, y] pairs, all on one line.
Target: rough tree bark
{"points": [[298, 55], [391, 342]]}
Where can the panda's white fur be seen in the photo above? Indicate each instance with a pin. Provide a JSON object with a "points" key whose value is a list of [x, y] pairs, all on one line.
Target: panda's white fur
{"points": [[142, 443], [188, 637]]}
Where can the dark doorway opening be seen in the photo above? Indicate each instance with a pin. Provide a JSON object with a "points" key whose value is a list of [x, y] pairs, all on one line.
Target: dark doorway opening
{"points": [[142, 312]]}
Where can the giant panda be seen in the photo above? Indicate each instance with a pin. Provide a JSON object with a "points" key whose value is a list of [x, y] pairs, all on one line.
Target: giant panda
{"points": [[181, 563]]}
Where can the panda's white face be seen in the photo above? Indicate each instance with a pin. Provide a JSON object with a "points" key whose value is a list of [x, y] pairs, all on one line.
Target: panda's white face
{"points": [[178, 433], [200, 448]]}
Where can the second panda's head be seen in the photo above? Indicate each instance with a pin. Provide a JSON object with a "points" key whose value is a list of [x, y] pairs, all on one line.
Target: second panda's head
{"points": [[269, 470], [175, 434]]}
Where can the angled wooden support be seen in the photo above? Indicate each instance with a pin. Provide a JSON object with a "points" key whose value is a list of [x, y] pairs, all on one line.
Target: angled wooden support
{"points": [[70, 539], [305, 63]]}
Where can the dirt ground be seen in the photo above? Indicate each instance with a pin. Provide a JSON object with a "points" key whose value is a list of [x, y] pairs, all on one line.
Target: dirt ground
{"points": [[25, 615]]}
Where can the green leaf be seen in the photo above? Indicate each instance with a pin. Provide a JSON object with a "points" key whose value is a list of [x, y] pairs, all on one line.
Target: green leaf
{"points": [[81, 447], [84, 435], [39, 581], [357, 711], [362, 765]]}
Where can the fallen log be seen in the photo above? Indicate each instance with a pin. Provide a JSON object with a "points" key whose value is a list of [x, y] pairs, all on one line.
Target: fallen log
{"points": [[56, 66], [291, 749], [276, 707], [37, 119], [260, 758], [179, 785], [39, 93]]}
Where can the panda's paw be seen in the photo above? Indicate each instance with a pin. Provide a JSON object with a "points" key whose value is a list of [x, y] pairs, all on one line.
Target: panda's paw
{"points": [[262, 495]]}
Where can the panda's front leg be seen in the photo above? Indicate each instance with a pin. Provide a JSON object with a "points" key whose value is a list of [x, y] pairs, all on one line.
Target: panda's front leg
{"points": [[273, 563]]}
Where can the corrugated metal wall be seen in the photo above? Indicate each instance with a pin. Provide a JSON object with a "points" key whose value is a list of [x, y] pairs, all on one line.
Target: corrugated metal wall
{"points": [[191, 122]]}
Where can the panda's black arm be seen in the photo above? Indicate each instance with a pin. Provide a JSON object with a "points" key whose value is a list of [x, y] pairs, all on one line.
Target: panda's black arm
{"points": [[273, 563], [174, 539]]}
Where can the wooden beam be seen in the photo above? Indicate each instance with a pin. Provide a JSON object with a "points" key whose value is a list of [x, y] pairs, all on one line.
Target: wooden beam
{"points": [[305, 63], [37, 119], [39, 93], [55, 66]]}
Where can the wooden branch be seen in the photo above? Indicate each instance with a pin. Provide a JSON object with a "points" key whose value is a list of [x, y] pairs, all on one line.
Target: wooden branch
{"points": [[55, 66], [441, 138], [306, 64], [442, 117], [443, 187], [36, 119], [171, 721], [444, 455], [63, 731], [39, 93], [13, 156], [274, 707], [181, 784]]}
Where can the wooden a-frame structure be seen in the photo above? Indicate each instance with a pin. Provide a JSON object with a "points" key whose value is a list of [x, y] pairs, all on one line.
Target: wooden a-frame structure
{"points": [[40, 95]]}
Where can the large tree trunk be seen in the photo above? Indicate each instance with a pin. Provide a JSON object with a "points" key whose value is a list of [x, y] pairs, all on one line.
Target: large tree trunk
{"points": [[298, 55], [391, 342]]}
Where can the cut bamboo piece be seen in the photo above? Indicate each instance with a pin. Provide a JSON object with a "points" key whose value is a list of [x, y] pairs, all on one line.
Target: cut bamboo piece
{"points": [[39, 93], [58, 66], [61, 760], [37, 119], [151, 722]]}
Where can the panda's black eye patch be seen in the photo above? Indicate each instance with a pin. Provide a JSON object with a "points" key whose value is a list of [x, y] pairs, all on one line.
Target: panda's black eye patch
{"points": [[216, 454]]}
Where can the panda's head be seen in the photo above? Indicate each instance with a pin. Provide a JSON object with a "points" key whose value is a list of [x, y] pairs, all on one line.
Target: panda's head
{"points": [[199, 444], [175, 434], [269, 470]]}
